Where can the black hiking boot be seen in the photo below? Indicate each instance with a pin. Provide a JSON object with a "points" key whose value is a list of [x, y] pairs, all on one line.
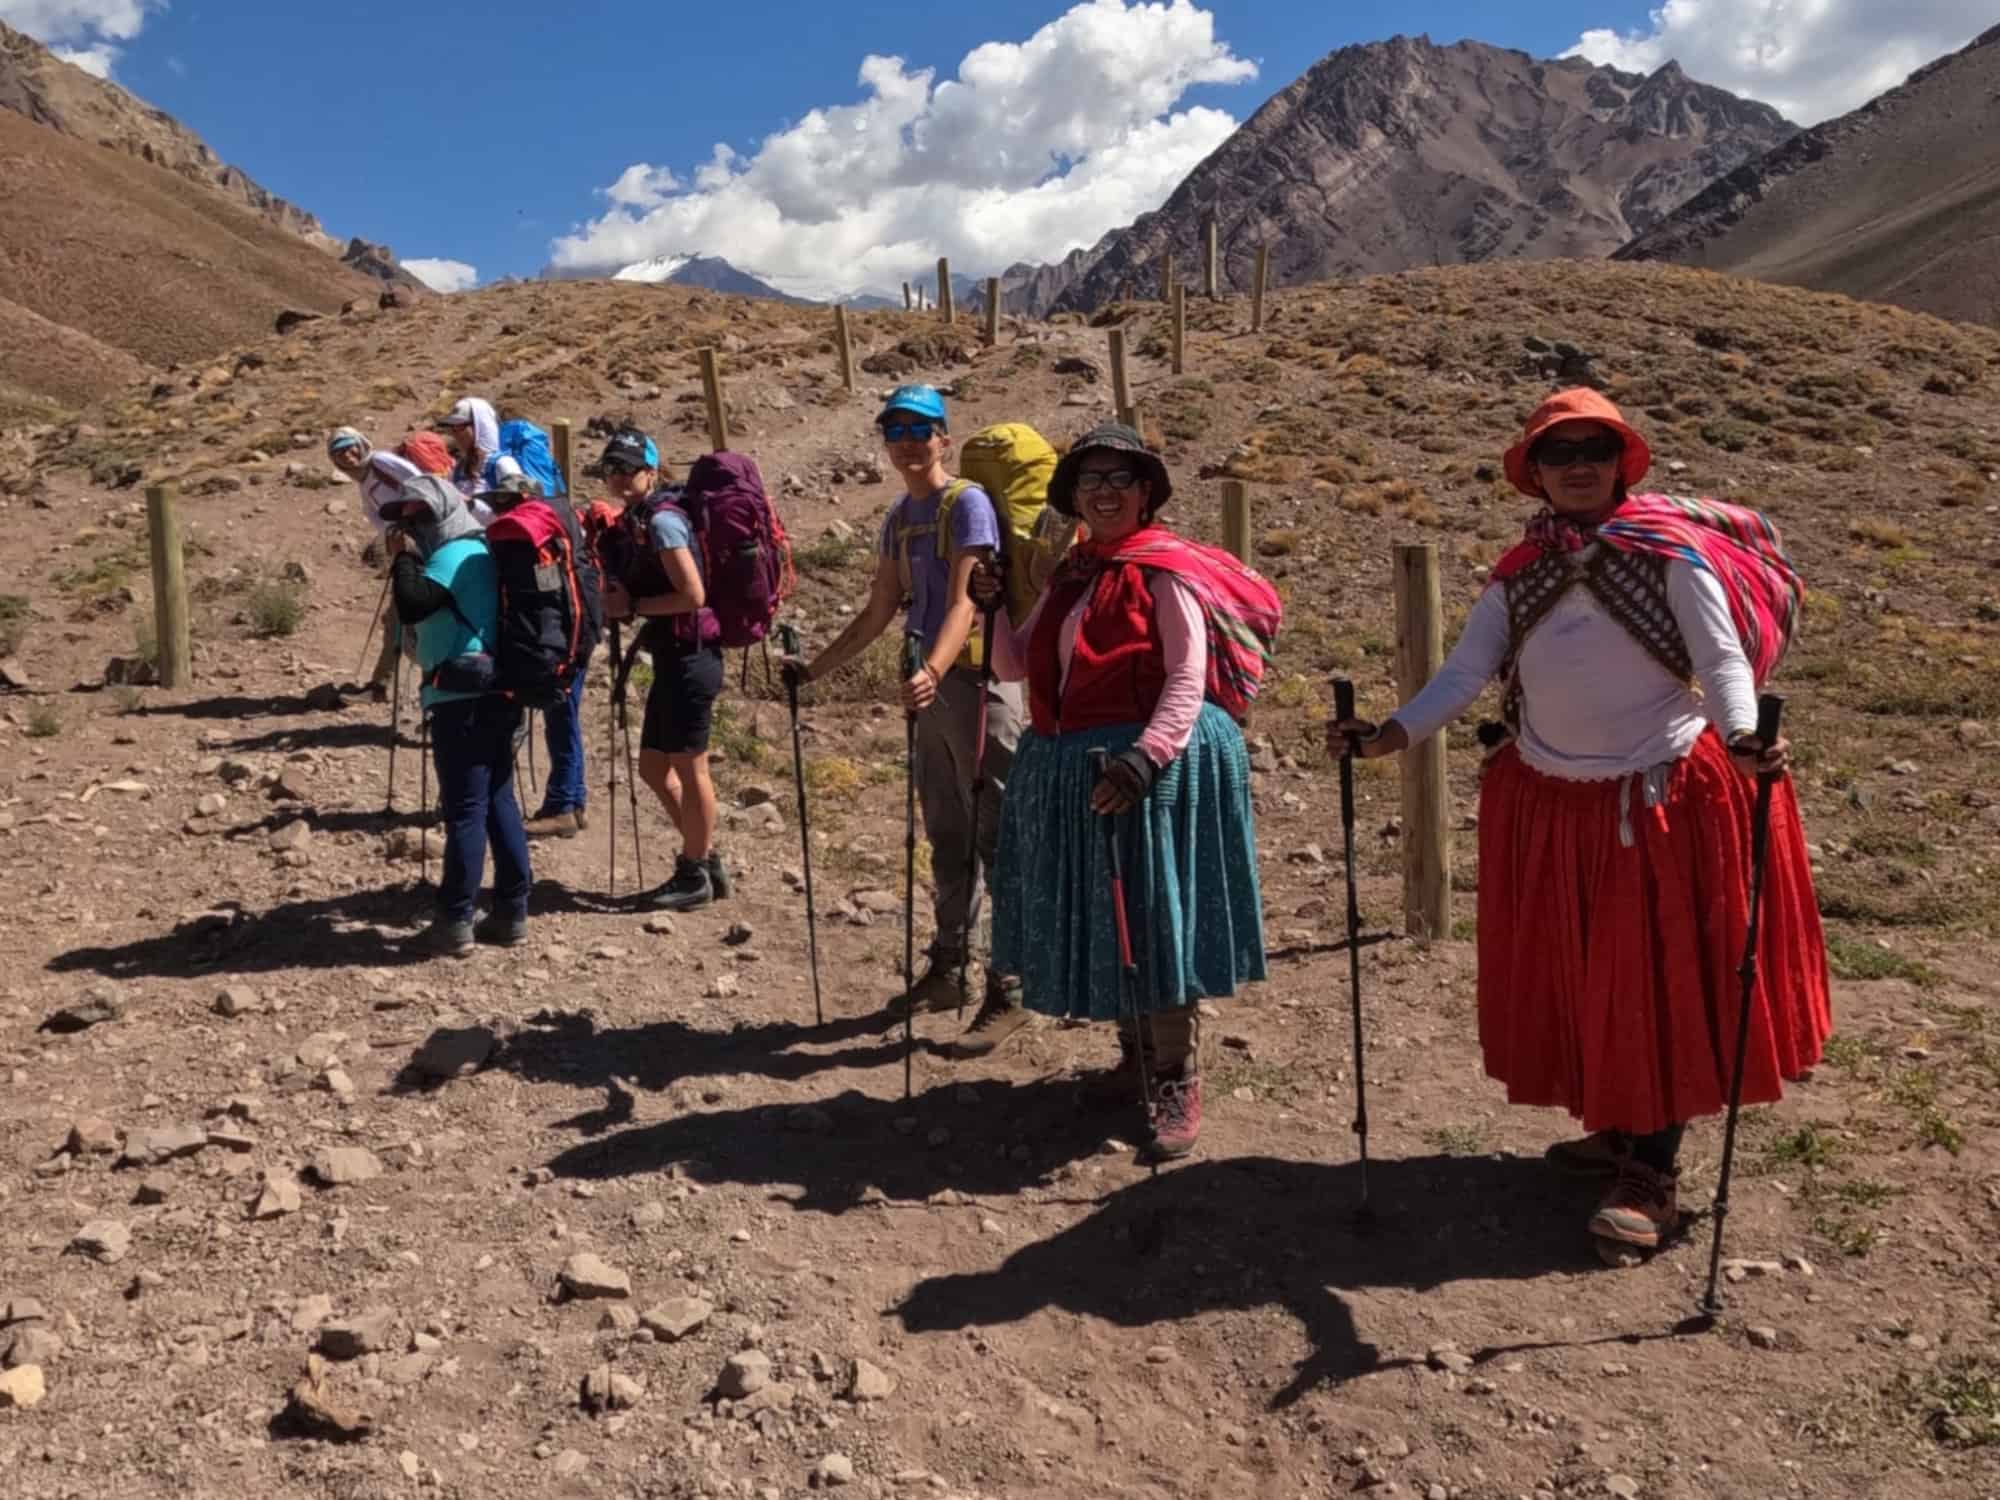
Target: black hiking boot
{"points": [[444, 938], [689, 890], [501, 930], [718, 875]]}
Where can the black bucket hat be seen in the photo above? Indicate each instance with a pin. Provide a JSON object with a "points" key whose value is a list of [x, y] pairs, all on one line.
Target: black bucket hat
{"points": [[1113, 437]]}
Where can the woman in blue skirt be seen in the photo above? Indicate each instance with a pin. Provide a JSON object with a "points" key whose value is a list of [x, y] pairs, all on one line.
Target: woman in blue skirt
{"points": [[1116, 655]]}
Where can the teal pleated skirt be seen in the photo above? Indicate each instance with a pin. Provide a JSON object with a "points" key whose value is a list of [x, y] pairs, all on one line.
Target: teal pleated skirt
{"points": [[1190, 855]]}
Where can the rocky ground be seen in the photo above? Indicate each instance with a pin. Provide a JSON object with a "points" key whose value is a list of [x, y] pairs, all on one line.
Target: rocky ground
{"points": [[284, 1213]]}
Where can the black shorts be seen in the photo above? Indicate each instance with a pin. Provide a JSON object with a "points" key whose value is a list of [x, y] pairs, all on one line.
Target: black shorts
{"points": [[680, 709]]}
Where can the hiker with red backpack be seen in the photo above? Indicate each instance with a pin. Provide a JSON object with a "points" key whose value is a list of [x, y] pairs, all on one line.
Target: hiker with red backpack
{"points": [[653, 574], [1127, 883], [379, 475], [1630, 632], [931, 540], [446, 582]]}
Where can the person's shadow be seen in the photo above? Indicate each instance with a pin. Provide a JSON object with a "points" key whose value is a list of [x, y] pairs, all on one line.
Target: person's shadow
{"points": [[1261, 1232]]}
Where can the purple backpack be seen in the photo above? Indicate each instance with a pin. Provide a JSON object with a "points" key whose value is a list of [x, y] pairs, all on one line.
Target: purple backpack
{"points": [[746, 562]]}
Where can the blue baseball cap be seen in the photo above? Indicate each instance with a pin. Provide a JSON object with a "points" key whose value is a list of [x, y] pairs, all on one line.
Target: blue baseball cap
{"points": [[630, 449], [918, 401]]}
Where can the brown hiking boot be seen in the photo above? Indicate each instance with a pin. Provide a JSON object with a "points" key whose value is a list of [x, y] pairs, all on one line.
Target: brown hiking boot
{"points": [[1001, 1015], [938, 989], [1599, 1154], [1176, 1117], [1641, 1209], [562, 825]]}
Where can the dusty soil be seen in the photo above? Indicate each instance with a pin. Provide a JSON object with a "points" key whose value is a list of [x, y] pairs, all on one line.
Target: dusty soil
{"points": [[1051, 1318]]}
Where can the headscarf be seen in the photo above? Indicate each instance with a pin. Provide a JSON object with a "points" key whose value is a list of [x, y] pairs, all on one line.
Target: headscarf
{"points": [[478, 414], [348, 437], [433, 512]]}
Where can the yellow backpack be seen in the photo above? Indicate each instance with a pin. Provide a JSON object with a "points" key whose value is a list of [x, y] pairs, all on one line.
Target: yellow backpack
{"points": [[1013, 463]]}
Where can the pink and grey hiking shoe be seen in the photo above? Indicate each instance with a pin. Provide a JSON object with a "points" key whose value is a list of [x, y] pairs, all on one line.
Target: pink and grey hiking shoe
{"points": [[1642, 1209], [1176, 1117]]}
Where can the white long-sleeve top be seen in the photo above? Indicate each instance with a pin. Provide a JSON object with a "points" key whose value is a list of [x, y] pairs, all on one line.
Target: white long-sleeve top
{"points": [[1595, 705], [1183, 646], [382, 479]]}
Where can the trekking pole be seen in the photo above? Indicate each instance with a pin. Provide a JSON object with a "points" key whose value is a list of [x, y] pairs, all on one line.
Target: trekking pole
{"points": [[1770, 709], [611, 748], [631, 770], [913, 656], [375, 619], [532, 779], [1343, 708], [424, 790], [978, 791], [395, 725], [788, 645], [1128, 966]]}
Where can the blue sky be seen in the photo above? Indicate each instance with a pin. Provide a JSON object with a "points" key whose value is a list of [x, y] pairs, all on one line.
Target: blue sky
{"points": [[485, 133]]}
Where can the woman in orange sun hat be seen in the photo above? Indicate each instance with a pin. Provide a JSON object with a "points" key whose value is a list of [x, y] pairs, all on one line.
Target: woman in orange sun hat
{"points": [[1630, 632]]}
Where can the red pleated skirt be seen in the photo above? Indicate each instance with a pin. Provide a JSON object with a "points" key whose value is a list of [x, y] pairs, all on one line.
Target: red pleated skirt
{"points": [[1608, 978]]}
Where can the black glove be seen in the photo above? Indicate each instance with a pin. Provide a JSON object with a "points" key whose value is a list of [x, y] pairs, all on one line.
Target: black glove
{"points": [[1133, 772]]}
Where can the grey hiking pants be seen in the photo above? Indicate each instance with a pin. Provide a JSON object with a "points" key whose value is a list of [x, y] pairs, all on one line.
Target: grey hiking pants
{"points": [[947, 737]]}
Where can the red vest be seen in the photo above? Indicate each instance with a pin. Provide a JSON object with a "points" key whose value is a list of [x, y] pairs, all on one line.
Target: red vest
{"points": [[1118, 669]]}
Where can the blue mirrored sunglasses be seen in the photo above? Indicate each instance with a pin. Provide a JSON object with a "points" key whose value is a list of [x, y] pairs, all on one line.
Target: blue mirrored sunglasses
{"points": [[912, 432]]}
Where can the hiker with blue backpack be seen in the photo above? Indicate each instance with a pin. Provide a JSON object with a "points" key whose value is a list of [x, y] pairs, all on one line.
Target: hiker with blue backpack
{"points": [[1127, 884], [491, 456], [446, 584], [966, 723]]}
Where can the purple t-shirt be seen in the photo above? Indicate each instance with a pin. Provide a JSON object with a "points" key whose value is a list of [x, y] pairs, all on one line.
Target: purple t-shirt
{"points": [[973, 524]]}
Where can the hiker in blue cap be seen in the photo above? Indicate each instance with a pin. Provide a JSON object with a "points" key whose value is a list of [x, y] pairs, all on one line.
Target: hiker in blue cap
{"points": [[930, 542]]}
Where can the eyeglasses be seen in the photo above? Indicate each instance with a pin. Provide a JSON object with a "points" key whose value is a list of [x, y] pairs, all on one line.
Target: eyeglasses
{"points": [[908, 432], [1558, 453], [618, 466], [1120, 480]]}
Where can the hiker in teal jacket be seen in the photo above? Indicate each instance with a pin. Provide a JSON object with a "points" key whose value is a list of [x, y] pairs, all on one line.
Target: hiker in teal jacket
{"points": [[445, 585]]}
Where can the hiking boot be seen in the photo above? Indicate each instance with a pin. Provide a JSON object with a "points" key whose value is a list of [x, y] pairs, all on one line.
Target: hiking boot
{"points": [[1001, 1015], [1599, 1154], [1114, 1087], [718, 875], [560, 825], [687, 891], [1641, 1209], [939, 989], [501, 930], [1176, 1117], [444, 938]]}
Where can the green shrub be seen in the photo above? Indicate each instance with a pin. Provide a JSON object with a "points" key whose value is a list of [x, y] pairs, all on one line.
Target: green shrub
{"points": [[44, 723], [13, 623], [276, 608]]}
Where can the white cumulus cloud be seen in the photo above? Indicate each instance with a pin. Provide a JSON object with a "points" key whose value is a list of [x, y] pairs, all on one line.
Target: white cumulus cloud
{"points": [[1033, 149], [444, 275], [1812, 59], [87, 33]]}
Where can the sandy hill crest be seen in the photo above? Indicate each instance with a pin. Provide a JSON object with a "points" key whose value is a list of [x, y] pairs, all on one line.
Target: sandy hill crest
{"points": [[1405, 153], [1898, 201]]}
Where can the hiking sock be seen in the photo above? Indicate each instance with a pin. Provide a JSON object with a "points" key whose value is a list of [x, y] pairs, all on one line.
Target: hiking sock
{"points": [[1661, 1149]]}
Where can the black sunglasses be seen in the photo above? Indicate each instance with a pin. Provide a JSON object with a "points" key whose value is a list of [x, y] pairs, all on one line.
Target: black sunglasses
{"points": [[916, 432], [1120, 480], [1560, 453]]}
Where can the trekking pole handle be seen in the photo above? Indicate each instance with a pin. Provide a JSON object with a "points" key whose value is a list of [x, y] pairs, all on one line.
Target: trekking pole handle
{"points": [[1343, 698], [1770, 709], [788, 639], [913, 655]]}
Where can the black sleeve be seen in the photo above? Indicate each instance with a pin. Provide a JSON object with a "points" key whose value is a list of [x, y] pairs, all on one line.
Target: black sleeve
{"points": [[417, 597]]}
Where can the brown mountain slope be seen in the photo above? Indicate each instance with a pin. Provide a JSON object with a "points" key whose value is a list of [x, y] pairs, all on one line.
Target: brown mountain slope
{"points": [[1404, 153], [152, 267], [1898, 201], [40, 86]]}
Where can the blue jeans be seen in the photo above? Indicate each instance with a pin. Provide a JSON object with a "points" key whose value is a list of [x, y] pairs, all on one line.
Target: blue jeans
{"points": [[562, 723], [472, 742]]}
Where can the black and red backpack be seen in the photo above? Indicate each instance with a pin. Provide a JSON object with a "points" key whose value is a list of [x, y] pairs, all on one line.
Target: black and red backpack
{"points": [[545, 629]]}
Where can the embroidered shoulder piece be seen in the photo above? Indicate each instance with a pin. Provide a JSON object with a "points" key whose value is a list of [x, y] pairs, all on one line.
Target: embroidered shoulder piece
{"points": [[1632, 587]]}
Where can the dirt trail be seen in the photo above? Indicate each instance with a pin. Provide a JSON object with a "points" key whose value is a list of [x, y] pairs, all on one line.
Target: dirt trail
{"points": [[1051, 1319]]}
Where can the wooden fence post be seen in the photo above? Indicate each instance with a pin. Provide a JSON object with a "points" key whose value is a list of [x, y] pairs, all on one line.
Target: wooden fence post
{"points": [[1236, 518], [711, 395], [1180, 330], [993, 310], [1426, 841], [170, 603], [1257, 292], [559, 437], [843, 346], [1211, 276], [906, 296], [945, 309], [1167, 276], [1121, 390]]}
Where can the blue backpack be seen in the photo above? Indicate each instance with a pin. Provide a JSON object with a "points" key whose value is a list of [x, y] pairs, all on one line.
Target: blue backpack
{"points": [[528, 446]]}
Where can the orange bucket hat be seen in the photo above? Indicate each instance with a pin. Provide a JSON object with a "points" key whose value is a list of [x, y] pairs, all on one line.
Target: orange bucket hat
{"points": [[1579, 405]]}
